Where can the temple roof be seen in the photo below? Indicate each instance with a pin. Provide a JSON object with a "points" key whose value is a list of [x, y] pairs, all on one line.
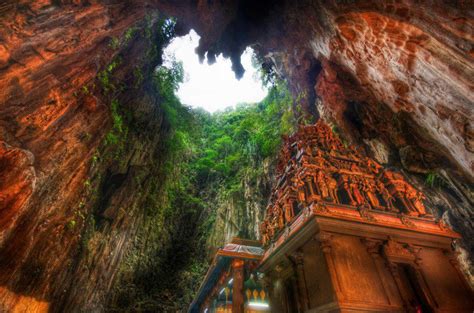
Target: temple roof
{"points": [[236, 249]]}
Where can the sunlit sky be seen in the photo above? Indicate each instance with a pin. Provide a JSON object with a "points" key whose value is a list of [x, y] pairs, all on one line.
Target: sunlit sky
{"points": [[213, 87]]}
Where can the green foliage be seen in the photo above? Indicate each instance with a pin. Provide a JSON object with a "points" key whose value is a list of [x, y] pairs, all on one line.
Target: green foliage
{"points": [[266, 71], [116, 117], [128, 35], [238, 139], [95, 158], [138, 75], [433, 179], [114, 43], [85, 90], [70, 225], [105, 76]]}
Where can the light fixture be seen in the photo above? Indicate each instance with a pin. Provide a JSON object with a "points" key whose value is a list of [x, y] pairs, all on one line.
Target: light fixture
{"points": [[223, 289], [231, 280], [258, 304]]}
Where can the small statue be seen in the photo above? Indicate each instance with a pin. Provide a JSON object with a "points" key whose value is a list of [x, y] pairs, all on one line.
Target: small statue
{"points": [[347, 188], [301, 195], [289, 213], [319, 159], [369, 189], [386, 196], [416, 201], [264, 232], [323, 188], [358, 197], [332, 186], [280, 216]]}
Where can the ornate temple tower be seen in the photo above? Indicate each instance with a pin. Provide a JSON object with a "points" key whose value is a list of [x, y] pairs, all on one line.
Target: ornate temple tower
{"points": [[343, 234]]}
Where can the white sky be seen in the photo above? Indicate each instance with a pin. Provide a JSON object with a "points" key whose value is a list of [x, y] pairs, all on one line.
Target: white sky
{"points": [[213, 87]]}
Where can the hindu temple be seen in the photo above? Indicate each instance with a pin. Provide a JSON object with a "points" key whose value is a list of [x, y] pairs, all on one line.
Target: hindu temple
{"points": [[341, 234]]}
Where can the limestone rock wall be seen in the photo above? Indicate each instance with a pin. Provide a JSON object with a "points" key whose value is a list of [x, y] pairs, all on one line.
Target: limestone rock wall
{"points": [[71, 200]]}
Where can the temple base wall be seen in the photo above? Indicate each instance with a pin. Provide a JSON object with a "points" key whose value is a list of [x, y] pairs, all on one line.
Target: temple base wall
{"points": [[336, 266]]}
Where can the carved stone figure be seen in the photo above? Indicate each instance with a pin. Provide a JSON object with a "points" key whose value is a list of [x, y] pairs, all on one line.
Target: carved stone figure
{"points": [[386, 196], [279, 216], [319, 160], [323, 188], [289, 213], [332, 186], [369, 190], [347, 188], [415, 198], [357, 195]]}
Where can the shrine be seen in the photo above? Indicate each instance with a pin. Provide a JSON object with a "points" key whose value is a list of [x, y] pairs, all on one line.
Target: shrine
{"points": [[344, 234], [231, 284]]}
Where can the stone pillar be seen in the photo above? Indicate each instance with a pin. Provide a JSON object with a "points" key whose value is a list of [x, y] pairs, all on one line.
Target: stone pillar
{"points": [[301, 280], [267, 284], [238, 286], [373, 248], [325, 243], [401, 288]]}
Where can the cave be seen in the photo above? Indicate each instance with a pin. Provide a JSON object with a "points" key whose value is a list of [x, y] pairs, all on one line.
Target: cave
{"points": [[117, 197]]}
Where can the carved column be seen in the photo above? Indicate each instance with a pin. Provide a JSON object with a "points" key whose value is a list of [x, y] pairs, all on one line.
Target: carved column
{"points": [[393, 267], [373, 247], [325, 243], [301, 280], [267, 284], [238, 286]]}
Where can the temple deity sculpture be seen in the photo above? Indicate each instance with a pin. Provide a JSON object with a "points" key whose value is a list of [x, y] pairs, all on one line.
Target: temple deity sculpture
{"points": [[319, 160], [347, 188], [332, 187], [369, 190], [300, 191], [280, 216], [415, 198], [386, 196], [321, 182], [356, 193], [289, 213]]}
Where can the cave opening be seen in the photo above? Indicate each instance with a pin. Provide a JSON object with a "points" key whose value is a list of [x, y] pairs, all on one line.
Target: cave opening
{"points": [[211, 84]]}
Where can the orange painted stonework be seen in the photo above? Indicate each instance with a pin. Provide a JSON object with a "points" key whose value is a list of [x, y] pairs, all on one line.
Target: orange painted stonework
{"points": [[343, 234]]}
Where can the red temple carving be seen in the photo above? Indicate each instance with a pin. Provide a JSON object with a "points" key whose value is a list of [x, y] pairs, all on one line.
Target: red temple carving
{"points": [[314, 166]]}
